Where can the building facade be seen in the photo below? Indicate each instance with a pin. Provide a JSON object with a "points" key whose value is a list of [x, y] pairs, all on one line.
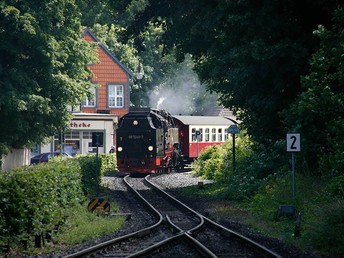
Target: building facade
{"points": [[97, 116]]}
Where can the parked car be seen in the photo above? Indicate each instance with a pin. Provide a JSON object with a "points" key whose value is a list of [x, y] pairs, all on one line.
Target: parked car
{"points": [[45, 157]]}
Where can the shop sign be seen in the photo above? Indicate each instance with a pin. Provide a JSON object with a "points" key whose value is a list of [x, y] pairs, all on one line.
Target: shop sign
{"points": [[79, 125]]}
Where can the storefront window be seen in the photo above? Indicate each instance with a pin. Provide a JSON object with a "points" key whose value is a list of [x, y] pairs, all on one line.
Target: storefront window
{"points": [[35, 150], [70, 142]]}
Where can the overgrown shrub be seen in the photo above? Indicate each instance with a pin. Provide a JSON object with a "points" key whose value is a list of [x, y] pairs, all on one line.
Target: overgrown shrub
{"points": [[198, 164], [335, 188], [326, 233], [33, 198], [108, 163], [91, 173], [93, 169]]}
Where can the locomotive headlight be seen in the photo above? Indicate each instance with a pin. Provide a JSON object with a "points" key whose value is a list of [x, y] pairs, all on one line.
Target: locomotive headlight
{"points": [[150, 148], [119, 149]]}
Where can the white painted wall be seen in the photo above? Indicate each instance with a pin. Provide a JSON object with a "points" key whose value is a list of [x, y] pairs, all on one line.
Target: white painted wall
{"points": [[16, 158]]}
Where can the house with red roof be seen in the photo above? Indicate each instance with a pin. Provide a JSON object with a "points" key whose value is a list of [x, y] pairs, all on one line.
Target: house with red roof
{"points": [[95, 120]]}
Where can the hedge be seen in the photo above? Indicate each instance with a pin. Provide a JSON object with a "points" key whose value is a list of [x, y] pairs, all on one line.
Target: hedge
{"points": [[33, 198]]}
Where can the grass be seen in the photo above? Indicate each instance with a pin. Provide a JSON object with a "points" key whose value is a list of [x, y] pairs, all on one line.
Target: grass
{"points": [[322, 214], [80, 225]]}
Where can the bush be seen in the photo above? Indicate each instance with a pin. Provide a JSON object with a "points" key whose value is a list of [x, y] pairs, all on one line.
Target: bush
{"points": [[326, 233], [198, 164], [33, 198], [93, 169], [108, 163], [335, 188], [90, 172]]}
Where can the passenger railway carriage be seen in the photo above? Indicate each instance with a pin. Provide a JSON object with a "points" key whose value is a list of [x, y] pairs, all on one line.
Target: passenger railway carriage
{"points": [[152, 141], [198, 132]]}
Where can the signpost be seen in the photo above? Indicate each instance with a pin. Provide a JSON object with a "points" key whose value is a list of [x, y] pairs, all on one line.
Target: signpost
{"points": [[233, 129], [293, 145], [97, 141]]}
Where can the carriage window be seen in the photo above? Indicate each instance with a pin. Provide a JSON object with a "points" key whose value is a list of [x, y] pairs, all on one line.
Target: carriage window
{"points": [[226, 135], [206, 134], [213, 134], [219, 136], [193, 133], [200, 135]]}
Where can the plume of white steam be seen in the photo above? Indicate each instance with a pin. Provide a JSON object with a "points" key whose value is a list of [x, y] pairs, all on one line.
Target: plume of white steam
{"points": [[182, 92], [160, 101]]}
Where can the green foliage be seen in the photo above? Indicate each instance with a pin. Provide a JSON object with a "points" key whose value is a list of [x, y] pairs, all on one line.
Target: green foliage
{"points": [[254, 163], [91, 176], [42, 68], [335, 188], [317, 112], [108, 163], [93, 169], [255, 70], [329, 222], [33, 199], [199, 164], [82, 225], [320, 206], [271, 194]]}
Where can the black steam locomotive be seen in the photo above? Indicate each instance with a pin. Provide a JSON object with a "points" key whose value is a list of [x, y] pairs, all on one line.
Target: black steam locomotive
{"points": [[147, 142]]}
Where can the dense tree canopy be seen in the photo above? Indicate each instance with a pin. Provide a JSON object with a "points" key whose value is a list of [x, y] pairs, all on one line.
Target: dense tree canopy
{"points": [[318, 111], [42, 68], [252, 54]]}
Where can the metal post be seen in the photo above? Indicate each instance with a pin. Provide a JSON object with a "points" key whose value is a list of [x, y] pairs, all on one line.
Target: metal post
{"points": [[97, 160], [293, 173], [197, 148], [233, 137], [61, 143]]}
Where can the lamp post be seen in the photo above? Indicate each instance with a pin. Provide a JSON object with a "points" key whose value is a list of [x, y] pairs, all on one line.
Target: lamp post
{"points": [[139, 77], [233, 129]]}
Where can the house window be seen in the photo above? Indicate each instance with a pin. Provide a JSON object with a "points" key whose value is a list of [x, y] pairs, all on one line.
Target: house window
{"points": [[115, 96], [90, 100]]}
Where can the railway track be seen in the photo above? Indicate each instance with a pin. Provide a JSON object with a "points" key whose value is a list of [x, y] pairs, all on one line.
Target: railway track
{"points": [[177, 231]]}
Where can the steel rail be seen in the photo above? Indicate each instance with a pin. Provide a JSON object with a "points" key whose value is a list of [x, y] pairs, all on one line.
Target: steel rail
{"points": [[225, 231], [139, 233], [244, 240], [179, 203]]}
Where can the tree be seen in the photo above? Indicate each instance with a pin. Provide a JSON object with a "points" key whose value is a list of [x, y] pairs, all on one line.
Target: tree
{"points": [[318, 111], [251, 53], [42, 69]]}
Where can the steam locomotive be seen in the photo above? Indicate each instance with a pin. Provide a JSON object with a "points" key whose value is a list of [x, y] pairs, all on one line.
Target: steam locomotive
{"points": [[153, 141], [147, 142]]}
